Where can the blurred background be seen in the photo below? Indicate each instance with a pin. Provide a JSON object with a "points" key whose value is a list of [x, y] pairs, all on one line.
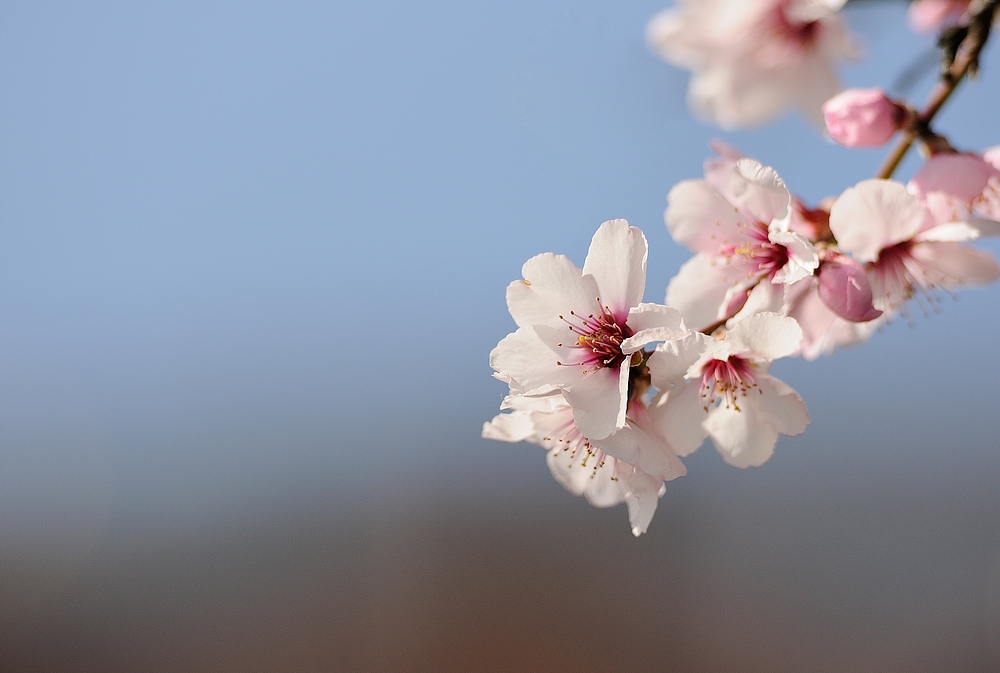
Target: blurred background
{"points": [[252, 262]]}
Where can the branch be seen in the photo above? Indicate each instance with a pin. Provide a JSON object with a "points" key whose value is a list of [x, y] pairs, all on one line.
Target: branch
{"points": [[965, 62]]}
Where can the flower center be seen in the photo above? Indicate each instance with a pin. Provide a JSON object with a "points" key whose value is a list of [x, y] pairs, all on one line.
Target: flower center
{"points": [[757, 254], [599, 338], [729, 379]]}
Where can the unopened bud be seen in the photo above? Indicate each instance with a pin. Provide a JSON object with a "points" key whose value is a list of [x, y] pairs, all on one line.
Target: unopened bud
{"points": [[845, 289], [862, 117]]}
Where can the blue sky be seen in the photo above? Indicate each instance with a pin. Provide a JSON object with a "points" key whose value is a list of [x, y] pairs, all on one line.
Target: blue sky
{"points": [[259, 250]]}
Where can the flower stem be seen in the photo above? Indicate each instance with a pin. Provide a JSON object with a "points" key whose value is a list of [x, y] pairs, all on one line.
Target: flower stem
{"points": [[966, 62]]}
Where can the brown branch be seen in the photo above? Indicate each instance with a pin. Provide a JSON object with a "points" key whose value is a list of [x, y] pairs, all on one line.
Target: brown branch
{"points": [[966, 62]]}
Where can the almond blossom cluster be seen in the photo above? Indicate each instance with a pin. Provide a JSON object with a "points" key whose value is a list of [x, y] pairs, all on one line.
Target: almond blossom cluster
{"points": [[617, 390]]}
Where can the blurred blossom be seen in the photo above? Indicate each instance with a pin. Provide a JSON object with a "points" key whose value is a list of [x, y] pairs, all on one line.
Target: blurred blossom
{"points": [[907, 253], [752, 59], [927, 16], [961, 187]]}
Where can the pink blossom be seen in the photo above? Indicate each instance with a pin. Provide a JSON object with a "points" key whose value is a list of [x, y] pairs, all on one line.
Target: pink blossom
{"points": [[905, 251], [579, 328], [862, 118], [961, 187], [721, 389], [739, 229], [582, 467], [752, 60], [926, 16]]}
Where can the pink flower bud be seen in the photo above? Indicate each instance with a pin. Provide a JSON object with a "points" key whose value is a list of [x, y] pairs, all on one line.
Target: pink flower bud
{"points": [[862, 118], [844, 288]]}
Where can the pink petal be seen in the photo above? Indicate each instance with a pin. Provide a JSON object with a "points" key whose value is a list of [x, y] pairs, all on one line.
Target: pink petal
{"points": [[872, 215], [845, 289]]}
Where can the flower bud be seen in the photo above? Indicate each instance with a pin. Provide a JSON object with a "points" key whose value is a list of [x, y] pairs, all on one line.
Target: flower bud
{"points": [[862, 118], [844, 288]]}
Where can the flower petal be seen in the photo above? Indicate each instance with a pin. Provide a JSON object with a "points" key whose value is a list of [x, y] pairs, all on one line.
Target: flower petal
{"points": [[642, 494], [598, 401], [700, 218], [523, 361], [759, 192], [954, 264], [679, 414], [740, 437], [598, 483], [552, 286], [699, 291], [617, 261], [768, 336], [781, 406], [652, 322], [872, 215], [672, 360]]}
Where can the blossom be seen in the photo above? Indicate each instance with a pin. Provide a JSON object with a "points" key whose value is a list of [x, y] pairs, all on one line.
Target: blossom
{"points": [[862, 117], [721, 389], [926, 16], [579, 329], [906, 252], [752, 59], [745, 250], [961, 187], [578, 464]]}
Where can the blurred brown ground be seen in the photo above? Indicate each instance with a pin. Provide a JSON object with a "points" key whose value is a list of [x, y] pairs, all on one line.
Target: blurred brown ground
{"points": [[864, 581]]}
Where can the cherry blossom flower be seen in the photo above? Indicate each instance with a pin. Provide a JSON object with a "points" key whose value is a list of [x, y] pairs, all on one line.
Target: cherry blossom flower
{"points": [[721, 389], [961, 187], [578, 464], [745, 251], [862, 117], [753, 59], [579, 329], [926, 16], [905, 251]]}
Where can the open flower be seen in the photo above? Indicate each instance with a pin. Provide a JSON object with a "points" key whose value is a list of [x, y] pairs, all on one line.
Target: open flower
{"points": [[722, 389], [578, 464], [905, 251], [579, 328], [753, 59], [746, 252]]}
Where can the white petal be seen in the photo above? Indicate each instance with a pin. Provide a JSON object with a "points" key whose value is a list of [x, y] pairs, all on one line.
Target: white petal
{"points": [[679, 414], [672, 360], [598, 401], [699, 290], [765, 297], [523, 361], [952, 231], [552, 286], [639, 444], [803, 259], [767, 336], [700, 218], [874, 214], [741, 437], [512, 427], [617, 260], [781, 406], [652, 322], [642, 494], [759, 191]]}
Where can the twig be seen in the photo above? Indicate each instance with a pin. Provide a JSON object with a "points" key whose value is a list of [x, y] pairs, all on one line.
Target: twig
{"points": [[966, 62]]}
